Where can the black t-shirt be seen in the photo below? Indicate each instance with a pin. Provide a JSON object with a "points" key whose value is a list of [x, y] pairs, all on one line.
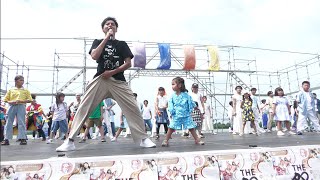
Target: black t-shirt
{"points": [[113, 56]]}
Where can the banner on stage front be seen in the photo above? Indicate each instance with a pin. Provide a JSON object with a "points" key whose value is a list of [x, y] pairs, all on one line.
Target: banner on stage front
{"points": [[140, 57], [189, 57], [165, 56], [214, 64]]}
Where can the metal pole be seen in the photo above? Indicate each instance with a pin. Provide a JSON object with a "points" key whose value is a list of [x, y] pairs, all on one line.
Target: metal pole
{"points": [[7, 78], [28, 77], [297, 75], [308, 77], [84, 66], [53, 75], [270, 81], [22, 68], [1, 70], [279, 79], [255, 64], [17, 68], [57, 63], [289, 81], [210, 86]]}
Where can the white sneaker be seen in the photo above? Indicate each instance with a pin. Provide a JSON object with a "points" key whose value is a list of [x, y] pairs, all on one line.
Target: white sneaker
{"points": [[49, 141], [261, 130], [234, 133], [214, 133], [230, 130], [113, 139], [268, 131], [240, 134], [147, 143], [280, 133], [66, 146], [292, 133]]}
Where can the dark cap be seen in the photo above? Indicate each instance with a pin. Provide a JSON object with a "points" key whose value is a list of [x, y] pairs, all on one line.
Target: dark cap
{"points": [[195, 85]]}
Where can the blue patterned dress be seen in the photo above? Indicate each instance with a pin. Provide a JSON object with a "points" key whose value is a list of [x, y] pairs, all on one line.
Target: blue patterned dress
{"points": [[180, 107]]}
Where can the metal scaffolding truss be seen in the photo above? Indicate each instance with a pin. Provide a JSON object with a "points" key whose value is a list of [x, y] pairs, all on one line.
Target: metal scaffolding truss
{"points": [[218, 85]]}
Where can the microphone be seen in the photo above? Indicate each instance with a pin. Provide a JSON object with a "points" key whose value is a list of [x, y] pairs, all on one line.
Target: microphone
{"points": [[111, 36]]}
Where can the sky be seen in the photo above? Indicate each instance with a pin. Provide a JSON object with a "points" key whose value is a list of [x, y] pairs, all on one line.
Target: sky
{"points": [[286, 25]]}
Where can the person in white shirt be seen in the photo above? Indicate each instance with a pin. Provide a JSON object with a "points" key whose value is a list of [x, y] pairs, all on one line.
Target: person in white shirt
{"points": [[237, 111], [230, 116], [264, 112], [270, 105], [317, 105], [197, 97], [140, 106], [207, 124], [147, 115], [161, 114], [306, 109], [109, 114], [256, 110]]}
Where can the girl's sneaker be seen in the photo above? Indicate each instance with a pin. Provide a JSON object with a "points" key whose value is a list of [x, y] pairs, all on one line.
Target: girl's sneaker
{"points": [[165, 143], [292, 133], [5, 142], [280, 133], [199, 142], [113, 139], [82, 141], [49, 141], [23, 142]]}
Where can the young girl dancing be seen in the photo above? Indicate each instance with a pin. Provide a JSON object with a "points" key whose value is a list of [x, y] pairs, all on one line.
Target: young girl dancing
{"points": [[161, 116], [180, 108], [247, 113], [281, 111]]}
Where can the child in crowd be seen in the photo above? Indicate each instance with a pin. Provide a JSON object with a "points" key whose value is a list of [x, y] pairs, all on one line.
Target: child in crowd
{"points": [[123, 125], [197, 96], [17, 98], [35, 113], [256, 109], [147, 115], [207, 124], [3, 111], [108, 123], [49, 120], [281, 111], [197, 118], [230, 116], [264, 111], [161, 106], [270, 109], [306, 109], [237, 98], [295, 115], [59, 119], [247, 113], [180, 108], [95, 118]]}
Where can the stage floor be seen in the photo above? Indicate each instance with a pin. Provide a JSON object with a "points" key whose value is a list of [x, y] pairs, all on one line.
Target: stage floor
{"points": [[37, 149]]}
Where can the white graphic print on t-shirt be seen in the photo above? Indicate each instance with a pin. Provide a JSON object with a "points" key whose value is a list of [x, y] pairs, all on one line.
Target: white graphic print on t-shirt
{"points": [[111, 61]]}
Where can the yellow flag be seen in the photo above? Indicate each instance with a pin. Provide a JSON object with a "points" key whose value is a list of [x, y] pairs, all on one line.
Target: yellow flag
{"points": [[214, 64]]}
